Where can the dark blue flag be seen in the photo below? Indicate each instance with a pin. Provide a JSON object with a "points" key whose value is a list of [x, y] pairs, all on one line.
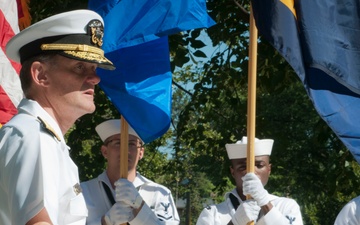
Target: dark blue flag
{"points": [[136, 41], [320, 40]]}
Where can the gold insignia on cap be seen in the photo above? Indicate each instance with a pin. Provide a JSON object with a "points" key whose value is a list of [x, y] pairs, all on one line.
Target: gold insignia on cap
{"points": [[88, 56], [48, 128], [97, 32], [72, 47], [77, 188]]}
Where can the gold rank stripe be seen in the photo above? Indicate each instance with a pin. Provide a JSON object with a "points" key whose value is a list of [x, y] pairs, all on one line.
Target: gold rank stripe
{"points": [[290, 5], [72, 47], [48, 128]]}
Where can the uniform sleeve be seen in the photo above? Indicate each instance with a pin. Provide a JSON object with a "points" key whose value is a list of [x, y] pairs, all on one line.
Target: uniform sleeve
{"points": [[22, 177], [286, 213], [206, 217], [349, 215], [146, 217], [166, 210], [161, 204]]}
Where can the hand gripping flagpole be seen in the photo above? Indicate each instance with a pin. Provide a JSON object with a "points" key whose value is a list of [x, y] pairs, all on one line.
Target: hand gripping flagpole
{"points": [[251, 110], [124, 139]]}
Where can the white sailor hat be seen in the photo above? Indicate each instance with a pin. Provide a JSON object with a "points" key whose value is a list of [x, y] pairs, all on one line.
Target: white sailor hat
{"points": [[239, 149], [111, 127], [76, 34]]}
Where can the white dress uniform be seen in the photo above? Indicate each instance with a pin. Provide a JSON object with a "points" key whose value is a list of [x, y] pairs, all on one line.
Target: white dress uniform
{"points": [[36, 170], [156, 196], [350, 213], [285, 211]]}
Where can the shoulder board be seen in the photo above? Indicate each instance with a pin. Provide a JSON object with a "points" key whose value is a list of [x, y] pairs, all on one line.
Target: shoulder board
{"points": [[48, 128]]}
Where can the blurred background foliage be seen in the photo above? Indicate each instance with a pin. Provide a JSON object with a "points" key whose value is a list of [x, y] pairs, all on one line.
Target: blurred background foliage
{"points": [[209, 109]]}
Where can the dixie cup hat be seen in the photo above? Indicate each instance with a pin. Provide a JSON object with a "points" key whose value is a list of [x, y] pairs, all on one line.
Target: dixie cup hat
{"points": [[239, 149], [109, 128]]}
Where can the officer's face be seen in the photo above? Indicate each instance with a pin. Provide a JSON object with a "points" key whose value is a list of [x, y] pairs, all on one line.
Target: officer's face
{"points": [[262, 170], [67, 84]]}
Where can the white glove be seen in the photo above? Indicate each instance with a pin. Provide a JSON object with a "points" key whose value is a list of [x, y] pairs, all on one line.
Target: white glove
{"points": [[252, 186], [246, 212], [119, 213], [127, 193]]}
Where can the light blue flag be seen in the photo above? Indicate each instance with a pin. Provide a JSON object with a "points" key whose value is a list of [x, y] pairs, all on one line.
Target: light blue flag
{"points": [[136, 42]]}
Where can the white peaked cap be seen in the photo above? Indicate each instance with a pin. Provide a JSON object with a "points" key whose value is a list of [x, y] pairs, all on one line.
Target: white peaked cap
{"points": [[76, 34], [239, 149], [111, 127]]}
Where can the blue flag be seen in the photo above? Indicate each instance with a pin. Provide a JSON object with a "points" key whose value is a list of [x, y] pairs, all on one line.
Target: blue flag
{"points": [[136, 41], [320, 40], [134, 22]]}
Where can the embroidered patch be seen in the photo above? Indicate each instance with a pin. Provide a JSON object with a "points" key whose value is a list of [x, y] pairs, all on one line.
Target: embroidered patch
{"points": [[162, 218], [291, 219], [166, 206]]}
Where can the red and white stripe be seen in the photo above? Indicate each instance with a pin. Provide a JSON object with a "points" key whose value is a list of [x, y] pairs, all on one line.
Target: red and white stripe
{"points": [[10, 88]]}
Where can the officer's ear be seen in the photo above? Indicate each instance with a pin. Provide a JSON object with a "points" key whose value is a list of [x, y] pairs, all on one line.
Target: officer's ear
{"points": [[39, 74]]}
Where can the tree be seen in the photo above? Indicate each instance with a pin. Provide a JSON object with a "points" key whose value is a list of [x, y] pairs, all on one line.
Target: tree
{"points": [[310, 164]]}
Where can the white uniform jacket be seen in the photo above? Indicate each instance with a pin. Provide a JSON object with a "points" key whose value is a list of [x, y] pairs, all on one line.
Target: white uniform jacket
{"points": [[36, 170], [159, 208], [350, 213], [285, 211]]}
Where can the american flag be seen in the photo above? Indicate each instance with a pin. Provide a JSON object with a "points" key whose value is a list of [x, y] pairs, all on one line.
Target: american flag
{"points": [[10, 88]]}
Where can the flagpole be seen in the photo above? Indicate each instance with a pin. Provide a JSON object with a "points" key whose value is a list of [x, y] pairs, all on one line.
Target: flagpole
{"points": [[124, 139], [251, 106]]}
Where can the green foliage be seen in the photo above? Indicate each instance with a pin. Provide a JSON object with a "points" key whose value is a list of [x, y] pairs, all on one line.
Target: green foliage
{"points": [[41, 9], [309, 163], [84, 141]]}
